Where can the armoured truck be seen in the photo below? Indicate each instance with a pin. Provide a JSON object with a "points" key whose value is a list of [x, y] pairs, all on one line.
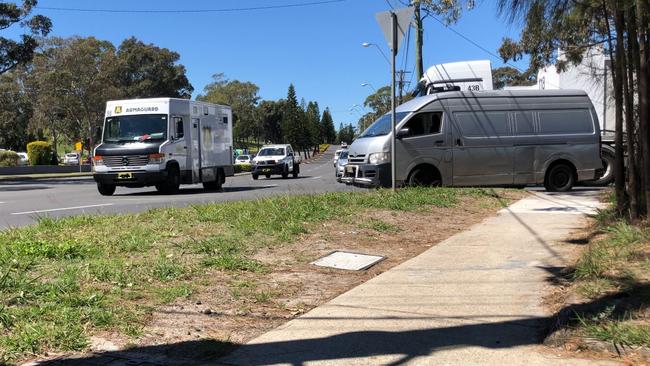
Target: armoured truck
{"points": [[164, 142]]}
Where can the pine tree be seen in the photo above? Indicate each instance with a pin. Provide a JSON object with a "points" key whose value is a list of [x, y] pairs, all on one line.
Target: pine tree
{"points": [[291, 119], [329, 133]]}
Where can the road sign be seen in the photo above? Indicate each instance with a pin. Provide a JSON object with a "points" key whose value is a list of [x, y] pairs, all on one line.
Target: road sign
{"points": [[404, 17], [394, 24]]}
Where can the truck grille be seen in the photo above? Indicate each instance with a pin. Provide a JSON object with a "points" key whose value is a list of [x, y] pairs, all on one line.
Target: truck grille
{"points": [[266, 162], [129, 160], [361, 158]]}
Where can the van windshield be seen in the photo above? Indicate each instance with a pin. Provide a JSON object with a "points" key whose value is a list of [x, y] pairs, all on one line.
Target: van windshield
{"points": [[382, 126], [145, 127]]}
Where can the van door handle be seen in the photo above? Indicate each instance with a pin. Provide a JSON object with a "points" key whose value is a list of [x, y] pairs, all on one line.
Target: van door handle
{"points": [[459, 142], [440, 142]]}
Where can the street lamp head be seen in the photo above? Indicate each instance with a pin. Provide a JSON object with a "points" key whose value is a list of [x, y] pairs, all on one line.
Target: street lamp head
{"points": [[366, 44], [364, 84]]}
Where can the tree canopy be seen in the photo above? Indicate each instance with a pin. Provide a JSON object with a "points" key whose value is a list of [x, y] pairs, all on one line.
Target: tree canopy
{"points": [[16, 52]]}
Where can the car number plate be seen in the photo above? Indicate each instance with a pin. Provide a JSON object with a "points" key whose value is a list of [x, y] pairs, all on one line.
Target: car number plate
{"points": [[124, 175], [266, 170]]}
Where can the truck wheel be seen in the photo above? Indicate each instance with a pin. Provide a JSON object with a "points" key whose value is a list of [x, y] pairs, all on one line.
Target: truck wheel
{"points": [[170, 186], [106, 189], [560, 178], [215, 185], [255, 176], [285, 172], [296, 170], [608, 175]]}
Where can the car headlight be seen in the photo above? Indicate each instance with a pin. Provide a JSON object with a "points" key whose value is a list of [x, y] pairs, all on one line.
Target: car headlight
{"points": [[156, 158], [378, 158], [97, 160]]}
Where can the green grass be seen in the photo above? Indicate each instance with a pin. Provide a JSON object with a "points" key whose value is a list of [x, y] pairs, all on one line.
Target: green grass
{"points": [[614, 264], [61, 280], [380, 226]]}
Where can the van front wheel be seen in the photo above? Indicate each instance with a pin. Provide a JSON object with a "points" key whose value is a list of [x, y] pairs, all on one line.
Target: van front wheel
{"points": [[560, 178], [424, 177], [106, 189]]}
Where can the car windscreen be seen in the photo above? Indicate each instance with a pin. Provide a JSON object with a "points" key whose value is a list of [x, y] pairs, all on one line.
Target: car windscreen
{"points": [[271, 152], [242, 157], [144, 127], [344, 155], [382, 125]]}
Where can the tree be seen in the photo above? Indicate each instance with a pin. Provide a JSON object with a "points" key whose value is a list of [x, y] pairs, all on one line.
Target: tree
{"points": [[148, 71], [241, 96], [379, 101], [12, 52], [312, 114], [15, 113], [270, 120], [292, 126], [345, 134], [509, 76], [74, 78], [327, 124]]}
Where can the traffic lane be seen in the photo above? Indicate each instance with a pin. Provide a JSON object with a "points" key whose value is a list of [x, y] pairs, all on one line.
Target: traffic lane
{"points": [[23, 203]]}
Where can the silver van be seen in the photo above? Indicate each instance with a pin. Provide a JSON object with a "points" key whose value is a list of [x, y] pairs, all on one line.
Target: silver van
{"points": [[490, 138]]}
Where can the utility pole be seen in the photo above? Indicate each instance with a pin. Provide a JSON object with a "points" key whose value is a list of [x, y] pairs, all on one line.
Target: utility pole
{"points": [[401, 83], [419, 35]]}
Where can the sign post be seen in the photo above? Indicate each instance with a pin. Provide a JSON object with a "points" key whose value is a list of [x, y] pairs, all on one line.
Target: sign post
{"points": [[394, 24]]}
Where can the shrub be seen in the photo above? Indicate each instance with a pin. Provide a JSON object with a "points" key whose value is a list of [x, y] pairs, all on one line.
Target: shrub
{"points": [[39, 153], [246, 167], [8, 158], [323, 147], [237, 168]]}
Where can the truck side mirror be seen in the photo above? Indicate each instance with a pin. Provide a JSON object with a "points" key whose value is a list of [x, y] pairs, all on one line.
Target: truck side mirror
{"points": [[404, 132]]}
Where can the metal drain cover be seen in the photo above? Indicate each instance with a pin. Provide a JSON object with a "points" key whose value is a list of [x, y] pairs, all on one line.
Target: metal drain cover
{"points": [[348, 260]]}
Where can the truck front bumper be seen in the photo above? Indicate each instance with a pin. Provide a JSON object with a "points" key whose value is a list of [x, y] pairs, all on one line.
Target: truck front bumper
{"points": [[268, 169], [367, 175], [131, 179]]}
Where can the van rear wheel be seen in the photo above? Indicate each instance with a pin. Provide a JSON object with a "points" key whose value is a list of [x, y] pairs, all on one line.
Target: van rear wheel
{"points": [[560, 178], [424, 177]]}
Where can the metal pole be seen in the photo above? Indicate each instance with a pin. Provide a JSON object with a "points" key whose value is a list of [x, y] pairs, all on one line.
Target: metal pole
{"points": [[392, 99]]}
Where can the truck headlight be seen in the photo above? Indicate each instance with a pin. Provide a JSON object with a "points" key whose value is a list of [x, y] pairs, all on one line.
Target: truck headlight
{"points": [[98, 160], [379, 158], [156, 158]]}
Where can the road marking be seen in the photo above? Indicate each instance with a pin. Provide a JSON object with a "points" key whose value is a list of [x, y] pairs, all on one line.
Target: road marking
{"points": [[61, 209], [2, 202], [316, 177], [270, 186]]}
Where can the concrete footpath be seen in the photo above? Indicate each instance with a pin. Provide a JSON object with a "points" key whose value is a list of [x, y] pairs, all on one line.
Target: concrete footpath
{"points": [[473, 299]]}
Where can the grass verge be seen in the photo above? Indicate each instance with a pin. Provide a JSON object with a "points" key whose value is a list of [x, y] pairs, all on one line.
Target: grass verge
{"points": [[612, 279], [66, 279]]}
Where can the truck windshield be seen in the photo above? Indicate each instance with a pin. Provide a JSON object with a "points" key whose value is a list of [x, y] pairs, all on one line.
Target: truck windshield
{"points": [[382, 126], [144, 127], [271, 152]]}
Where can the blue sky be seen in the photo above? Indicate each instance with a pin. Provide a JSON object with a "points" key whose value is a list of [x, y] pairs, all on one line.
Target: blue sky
{"points": [[317, 48]]}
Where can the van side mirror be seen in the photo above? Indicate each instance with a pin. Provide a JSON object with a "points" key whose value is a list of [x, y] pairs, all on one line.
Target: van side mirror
{"points": [[404, 132]]}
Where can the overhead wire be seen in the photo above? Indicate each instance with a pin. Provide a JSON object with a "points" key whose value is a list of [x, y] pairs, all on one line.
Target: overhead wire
{"points": [[221, 10]]}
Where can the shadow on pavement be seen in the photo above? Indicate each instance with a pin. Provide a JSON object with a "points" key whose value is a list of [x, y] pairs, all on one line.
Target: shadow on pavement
{"points": [[194, 191], [23, 188], [403, 345], [32, 182]]}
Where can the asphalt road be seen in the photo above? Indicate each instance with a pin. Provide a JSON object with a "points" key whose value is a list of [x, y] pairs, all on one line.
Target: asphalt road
{"points": [[23, 202]]}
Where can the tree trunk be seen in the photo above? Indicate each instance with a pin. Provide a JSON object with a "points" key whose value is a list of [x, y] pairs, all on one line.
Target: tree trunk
{"points": [[642, 90], [419, 40], [628, 67], [619, 173]]}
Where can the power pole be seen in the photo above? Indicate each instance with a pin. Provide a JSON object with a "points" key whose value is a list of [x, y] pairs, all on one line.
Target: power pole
{"points": [[401, 83], [419, 35]]}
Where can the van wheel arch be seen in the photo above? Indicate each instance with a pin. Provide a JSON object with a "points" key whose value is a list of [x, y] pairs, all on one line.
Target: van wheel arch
{"points": [[424, 175], [554, 186]]}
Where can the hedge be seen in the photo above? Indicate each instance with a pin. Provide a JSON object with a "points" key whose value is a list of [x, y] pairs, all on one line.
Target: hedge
{"points": [[39, 153], [9, 158]]}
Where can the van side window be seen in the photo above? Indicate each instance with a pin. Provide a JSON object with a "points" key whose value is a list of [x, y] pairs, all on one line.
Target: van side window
{"points": [[524, 124], [178, 127], [424, 124], [491, 124], [565, 121]]}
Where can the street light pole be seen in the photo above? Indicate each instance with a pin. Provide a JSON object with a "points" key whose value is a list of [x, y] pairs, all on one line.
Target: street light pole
{"points": [[393, 52], [370, 85], [368, 44]]}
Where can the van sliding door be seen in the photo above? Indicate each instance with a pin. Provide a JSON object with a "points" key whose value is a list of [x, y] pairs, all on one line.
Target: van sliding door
{"points": [[483, 151]]}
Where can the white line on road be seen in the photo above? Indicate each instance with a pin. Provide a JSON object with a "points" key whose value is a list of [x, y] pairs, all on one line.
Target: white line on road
{"points": [[61, 209], [316, 177]]}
